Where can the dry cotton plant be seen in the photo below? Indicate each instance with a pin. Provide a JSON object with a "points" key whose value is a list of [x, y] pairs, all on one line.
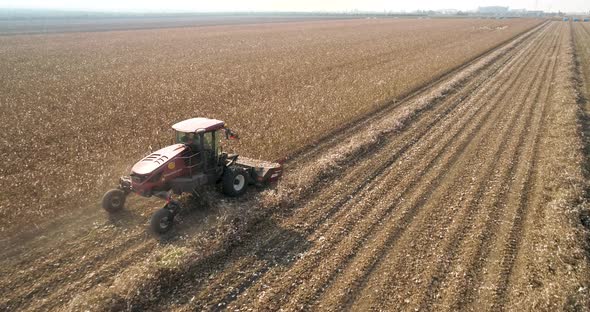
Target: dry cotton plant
{"points": [[79, 109]]}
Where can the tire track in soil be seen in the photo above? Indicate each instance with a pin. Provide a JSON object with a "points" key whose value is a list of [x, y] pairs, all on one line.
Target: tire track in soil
{"points": [[475, 268], [379, 257], [104, 273], [75, 251], [256, 274], [193, 277], [98, 259], [335, 137], [37, 242], [456, 99], [67, 266], [105, 269], [337, 208], [47, 245], [229, 297], [528, 198], [514, 236], [103, 261], [496, 192], [379, 145], [276, 238], [583, 27], [362, 238]]}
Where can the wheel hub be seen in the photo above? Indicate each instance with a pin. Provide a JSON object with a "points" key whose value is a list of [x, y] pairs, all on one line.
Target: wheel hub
{"points": [[239, 182], [164, 222]]}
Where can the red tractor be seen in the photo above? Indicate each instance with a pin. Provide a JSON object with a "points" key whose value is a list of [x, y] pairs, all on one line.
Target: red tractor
{"points": [[195, 160]]}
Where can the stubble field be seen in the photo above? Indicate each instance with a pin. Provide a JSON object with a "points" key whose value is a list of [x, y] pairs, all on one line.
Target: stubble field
{"points": [[79, 108], [434, 165]]}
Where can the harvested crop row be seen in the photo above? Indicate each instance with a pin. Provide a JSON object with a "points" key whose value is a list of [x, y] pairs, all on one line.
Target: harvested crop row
{"points": [[78, 107], [462, 196], [26, 266], [468, 207]]}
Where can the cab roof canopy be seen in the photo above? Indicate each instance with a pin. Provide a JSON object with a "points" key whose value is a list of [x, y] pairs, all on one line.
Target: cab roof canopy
{"points": [[194, 124]]}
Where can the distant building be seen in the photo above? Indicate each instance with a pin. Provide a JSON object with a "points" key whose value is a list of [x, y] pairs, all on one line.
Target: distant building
{"points": [[493, 10], [535, 13], [448, 12], [499, 11]]}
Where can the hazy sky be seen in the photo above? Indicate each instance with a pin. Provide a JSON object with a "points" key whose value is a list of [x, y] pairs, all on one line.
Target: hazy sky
{"points": [[292, 5]]}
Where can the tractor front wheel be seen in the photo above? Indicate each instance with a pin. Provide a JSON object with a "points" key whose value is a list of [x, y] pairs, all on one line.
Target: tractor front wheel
{"points": [[162, 221], [113, 200], [235, 182]]}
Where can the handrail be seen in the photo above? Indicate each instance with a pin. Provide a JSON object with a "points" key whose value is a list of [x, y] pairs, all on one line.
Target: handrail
{"points": [[190, 166]]}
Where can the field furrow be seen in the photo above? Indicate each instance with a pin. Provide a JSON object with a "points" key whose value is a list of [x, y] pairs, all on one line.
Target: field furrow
{"points": [[493, 207], [231, 282], [458, 182], [403, 237], [454, 184], [480, 182]]}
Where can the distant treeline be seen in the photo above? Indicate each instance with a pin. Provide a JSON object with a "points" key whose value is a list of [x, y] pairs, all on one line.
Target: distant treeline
{"points": [[28, 14]]}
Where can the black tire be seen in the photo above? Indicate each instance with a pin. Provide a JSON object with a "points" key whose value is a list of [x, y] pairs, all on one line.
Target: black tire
{"points": [[114, 200], [235, 182], [162, 221]]}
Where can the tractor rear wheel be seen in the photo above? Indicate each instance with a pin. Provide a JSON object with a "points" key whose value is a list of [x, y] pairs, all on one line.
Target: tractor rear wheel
{"points": [[162, 221], [235, 182], [113, 200]]}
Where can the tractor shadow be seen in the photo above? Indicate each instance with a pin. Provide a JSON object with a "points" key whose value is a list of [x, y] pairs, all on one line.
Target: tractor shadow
{"points": [[199, 212], [240, 231], [270, 247], [126, 218], [264, 246]]}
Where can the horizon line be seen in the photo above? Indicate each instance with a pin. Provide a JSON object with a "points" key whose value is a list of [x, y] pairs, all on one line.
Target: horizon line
{"points": [[352, 11]]}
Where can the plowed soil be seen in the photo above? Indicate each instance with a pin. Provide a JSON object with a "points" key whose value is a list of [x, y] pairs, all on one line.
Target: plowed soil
{"points": [[465, 195], [79, 107]]}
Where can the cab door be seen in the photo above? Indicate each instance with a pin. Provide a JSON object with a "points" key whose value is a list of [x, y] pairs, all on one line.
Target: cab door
{"points": [[210, 150]]}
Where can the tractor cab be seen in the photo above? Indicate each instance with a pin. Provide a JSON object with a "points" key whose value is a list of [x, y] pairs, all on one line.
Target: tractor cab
{"points": [[202, 137], [193, 161]]}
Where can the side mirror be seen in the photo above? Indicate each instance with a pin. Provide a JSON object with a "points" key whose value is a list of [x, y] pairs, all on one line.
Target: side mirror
{"points": [[230, 135]]}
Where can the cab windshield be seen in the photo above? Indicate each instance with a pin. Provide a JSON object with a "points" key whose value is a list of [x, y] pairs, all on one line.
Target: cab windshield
{"points": [[189, 138]]}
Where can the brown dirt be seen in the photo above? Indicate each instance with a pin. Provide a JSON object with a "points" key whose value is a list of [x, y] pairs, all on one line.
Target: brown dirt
{"points": [[466, 195], [78, 108]]}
